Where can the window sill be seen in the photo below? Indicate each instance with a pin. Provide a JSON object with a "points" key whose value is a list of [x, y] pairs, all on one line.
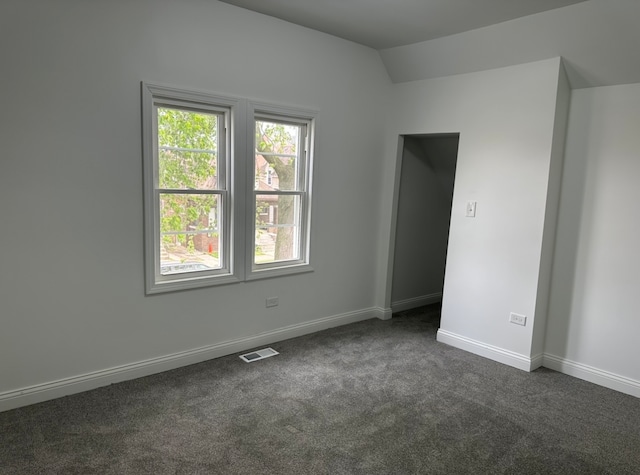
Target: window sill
{"points": [[189, 283], [267, 273]]}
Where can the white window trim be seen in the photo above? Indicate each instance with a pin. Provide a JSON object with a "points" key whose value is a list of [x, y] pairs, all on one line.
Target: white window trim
{"points": [[233, 223], [240, 204], [303, 264]]}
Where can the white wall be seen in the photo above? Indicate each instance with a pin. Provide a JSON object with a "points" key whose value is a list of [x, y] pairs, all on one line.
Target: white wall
{"points": [[505, 118], [563, 99], [424, 210], [71, 279], [72, 307], [594, 321]]}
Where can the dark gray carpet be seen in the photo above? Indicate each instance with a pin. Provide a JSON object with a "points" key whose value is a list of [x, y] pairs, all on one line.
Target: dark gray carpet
{"points": [[376, 397]]}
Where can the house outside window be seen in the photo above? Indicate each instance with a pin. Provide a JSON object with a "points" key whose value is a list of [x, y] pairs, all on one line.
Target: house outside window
{"points": [[281, 197]]}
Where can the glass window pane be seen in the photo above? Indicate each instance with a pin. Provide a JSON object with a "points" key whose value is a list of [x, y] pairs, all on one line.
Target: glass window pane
{"points": [[187, 149], [190, 236], [187, 129], [277, 160], [180, 170], [277, 228]]}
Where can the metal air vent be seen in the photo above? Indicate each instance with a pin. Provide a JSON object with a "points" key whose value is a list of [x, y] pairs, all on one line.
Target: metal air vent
{"points": [[258, 355]]}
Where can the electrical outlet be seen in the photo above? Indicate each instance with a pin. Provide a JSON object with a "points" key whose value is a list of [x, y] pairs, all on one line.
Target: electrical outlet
{"points": [[271, 302], [518, 319]]}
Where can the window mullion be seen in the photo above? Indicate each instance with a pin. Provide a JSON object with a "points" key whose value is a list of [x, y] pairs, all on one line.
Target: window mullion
{"points": [[222, 159], [278, 192], [186, 191], [302, 159]]}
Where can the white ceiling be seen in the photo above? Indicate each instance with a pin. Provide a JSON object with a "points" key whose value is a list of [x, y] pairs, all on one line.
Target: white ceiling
{"points": [[384, 24]]}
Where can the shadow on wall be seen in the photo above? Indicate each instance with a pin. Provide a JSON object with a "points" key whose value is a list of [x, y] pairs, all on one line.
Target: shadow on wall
{"points": [[423, 215], [570, 221]]}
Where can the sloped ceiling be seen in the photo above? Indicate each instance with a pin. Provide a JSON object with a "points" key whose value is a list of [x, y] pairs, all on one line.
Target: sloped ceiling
{"points": [[598, 40], [389, 23]]}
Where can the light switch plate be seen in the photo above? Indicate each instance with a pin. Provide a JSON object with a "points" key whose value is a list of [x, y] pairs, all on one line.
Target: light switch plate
{"points": [[471, 209]]}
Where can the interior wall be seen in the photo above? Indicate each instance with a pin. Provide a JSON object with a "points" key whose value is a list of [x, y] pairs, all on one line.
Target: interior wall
{"points": [[505, 118], [549, 232], [424, 211], [71, 282], [593, 318]]}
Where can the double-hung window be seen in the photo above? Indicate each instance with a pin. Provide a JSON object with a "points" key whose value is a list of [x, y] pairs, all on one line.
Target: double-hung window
{"points": [[187, 140], [282, 141], [227, 189]]}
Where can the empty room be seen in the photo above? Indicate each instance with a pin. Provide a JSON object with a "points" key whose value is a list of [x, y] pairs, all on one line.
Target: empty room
{"points": [[289, 237]]}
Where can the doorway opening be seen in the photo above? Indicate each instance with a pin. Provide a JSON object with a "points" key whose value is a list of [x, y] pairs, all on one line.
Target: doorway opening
{"points": [[424, 198]]}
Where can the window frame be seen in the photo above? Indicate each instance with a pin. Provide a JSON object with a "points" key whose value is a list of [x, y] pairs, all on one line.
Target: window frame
{"points": [[293, 116], [238, 211], [232, 268]]}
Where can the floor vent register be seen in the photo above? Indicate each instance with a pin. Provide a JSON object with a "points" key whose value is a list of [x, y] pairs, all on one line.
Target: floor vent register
{"points": [[258, 355]]}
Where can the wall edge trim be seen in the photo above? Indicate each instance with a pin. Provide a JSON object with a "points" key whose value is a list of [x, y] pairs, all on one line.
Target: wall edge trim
{"points": [[75, 384], [383, 313], [485, 350], [592, 374], [407, 304]]}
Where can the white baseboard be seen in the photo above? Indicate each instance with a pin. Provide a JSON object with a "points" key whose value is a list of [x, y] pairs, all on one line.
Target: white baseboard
{"points": [[536, 361], [383, 313], [75, 384], [407, 304], [591, 374], [494, 353]]}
